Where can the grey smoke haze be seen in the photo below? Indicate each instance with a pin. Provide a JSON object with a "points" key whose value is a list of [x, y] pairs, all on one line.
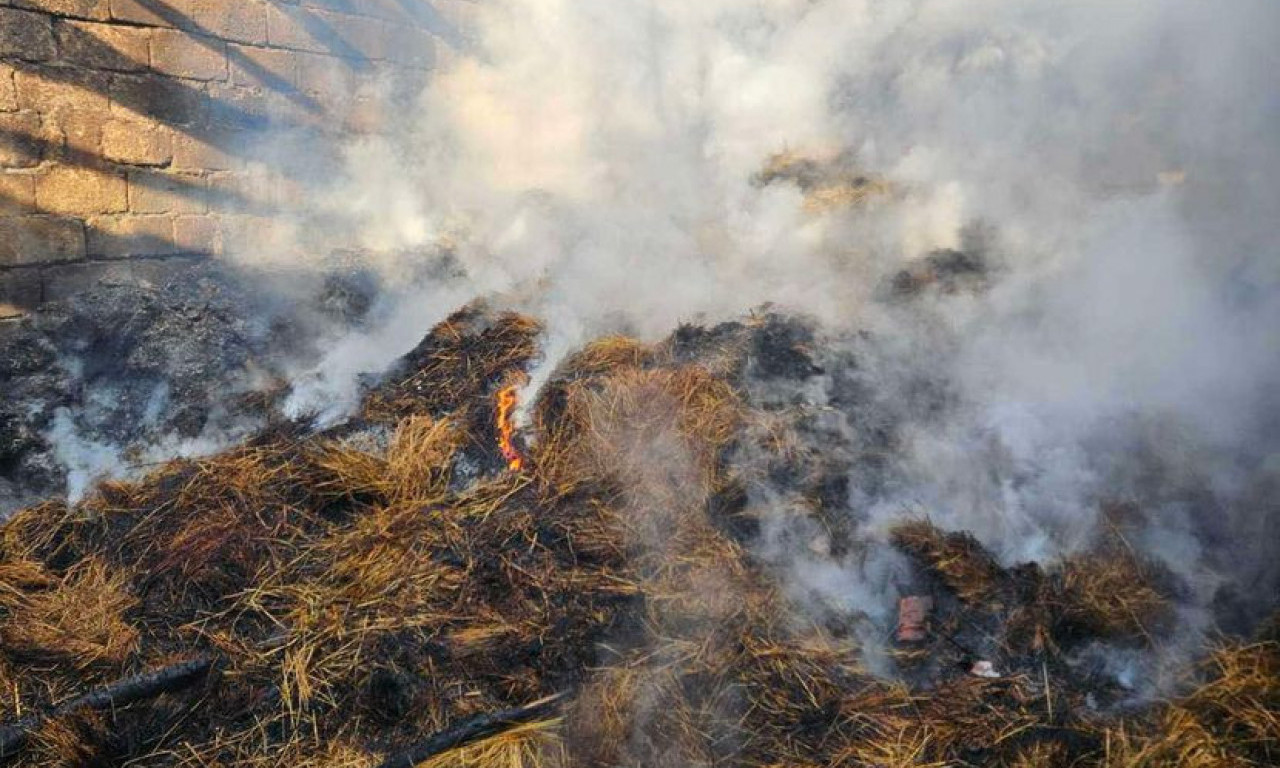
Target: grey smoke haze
{"points": [[593, 164]]}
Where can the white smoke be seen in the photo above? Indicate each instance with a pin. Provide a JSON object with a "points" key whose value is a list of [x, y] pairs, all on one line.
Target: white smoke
{"points": [[594, 164]]}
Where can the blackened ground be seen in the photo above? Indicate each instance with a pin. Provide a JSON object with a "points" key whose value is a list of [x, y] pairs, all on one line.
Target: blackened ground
{"points": [[196, 355]]}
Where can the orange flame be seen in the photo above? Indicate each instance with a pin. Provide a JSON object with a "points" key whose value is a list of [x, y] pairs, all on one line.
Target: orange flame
{"points": [[506, 411]]}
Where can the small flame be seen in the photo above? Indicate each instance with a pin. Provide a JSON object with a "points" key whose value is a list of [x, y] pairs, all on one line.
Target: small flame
{"points": [[506, 426]]}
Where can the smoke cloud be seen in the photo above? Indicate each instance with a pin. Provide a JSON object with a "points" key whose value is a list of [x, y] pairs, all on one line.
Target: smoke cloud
{"points": [[1113, 165]]}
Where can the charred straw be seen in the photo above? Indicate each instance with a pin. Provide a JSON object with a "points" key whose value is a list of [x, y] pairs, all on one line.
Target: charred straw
{"points": [[472, 730], [122, 693]]}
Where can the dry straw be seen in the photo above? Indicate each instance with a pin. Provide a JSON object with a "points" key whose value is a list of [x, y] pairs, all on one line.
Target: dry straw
{"points": [[367, 587]]}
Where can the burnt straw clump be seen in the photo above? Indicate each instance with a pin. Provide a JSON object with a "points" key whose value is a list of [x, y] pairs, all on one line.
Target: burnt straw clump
{"points": [[397, 591]]}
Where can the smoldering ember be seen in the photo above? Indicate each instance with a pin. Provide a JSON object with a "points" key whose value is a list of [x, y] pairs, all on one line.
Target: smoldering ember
{"points": [[761, 383]]}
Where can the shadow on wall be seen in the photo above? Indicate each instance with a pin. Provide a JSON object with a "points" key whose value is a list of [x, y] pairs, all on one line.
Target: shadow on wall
{"points": [[155, 127]]}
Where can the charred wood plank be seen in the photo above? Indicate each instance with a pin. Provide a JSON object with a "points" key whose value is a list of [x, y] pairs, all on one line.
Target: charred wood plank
{"points": [[471, 730], [130, 690]]}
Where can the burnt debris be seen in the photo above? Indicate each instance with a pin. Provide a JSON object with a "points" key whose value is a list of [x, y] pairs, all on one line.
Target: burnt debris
{"points": [[392, 590]]}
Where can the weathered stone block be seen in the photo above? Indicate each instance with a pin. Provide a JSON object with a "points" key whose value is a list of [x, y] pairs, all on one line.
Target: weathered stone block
{"points": [[40, 240], [52, 88], [84, 191], [117, 237], [147, 12], [98, 10], [17, 193], [179, 54], [21, 142], [198, 234], [103, 46], [8, 90], [161, 98], [137, 142], [342, 6], [160, 192], [213, 151], [330, 80], [240, 192], [267, 68], [387, 10], [26, 35], [77, 135], [244, 21], [362, 37], [247, 109], [239, 20], [21, 289], [302, 29]]}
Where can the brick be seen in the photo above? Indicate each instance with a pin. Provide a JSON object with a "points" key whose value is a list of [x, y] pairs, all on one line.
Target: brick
{"points": [[8, 90], [117, 237], [137, 142], [11, 312], [328, 78], [78, 134], [72, 190], [204, 153], [17, 193], [306, 29], [53, 88], [40, 240], [149, 12], [244, 192], [286, 28], [268, 68], [21, 289], [170, 101], [179, 54], [913, 618], [198, 234], [387, 10], [248, 109], [97, 10], [103, 46], [21, 139], [341, 6], [364, 37], [160, 192], [243, 21], [26, 35], [264, 189]]}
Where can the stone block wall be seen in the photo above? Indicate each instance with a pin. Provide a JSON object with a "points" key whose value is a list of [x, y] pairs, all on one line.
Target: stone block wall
{"points": [[134, 129]]}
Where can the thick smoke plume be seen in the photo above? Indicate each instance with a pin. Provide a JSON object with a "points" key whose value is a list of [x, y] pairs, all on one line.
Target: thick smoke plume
{"points": [[1112, 166]]}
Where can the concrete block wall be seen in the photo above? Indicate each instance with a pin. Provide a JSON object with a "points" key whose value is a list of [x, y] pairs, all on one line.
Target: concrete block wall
{"points": [[132, 129]]}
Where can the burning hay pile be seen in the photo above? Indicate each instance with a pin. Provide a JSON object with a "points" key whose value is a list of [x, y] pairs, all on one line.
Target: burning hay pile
{"points": [[428, 585]]}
